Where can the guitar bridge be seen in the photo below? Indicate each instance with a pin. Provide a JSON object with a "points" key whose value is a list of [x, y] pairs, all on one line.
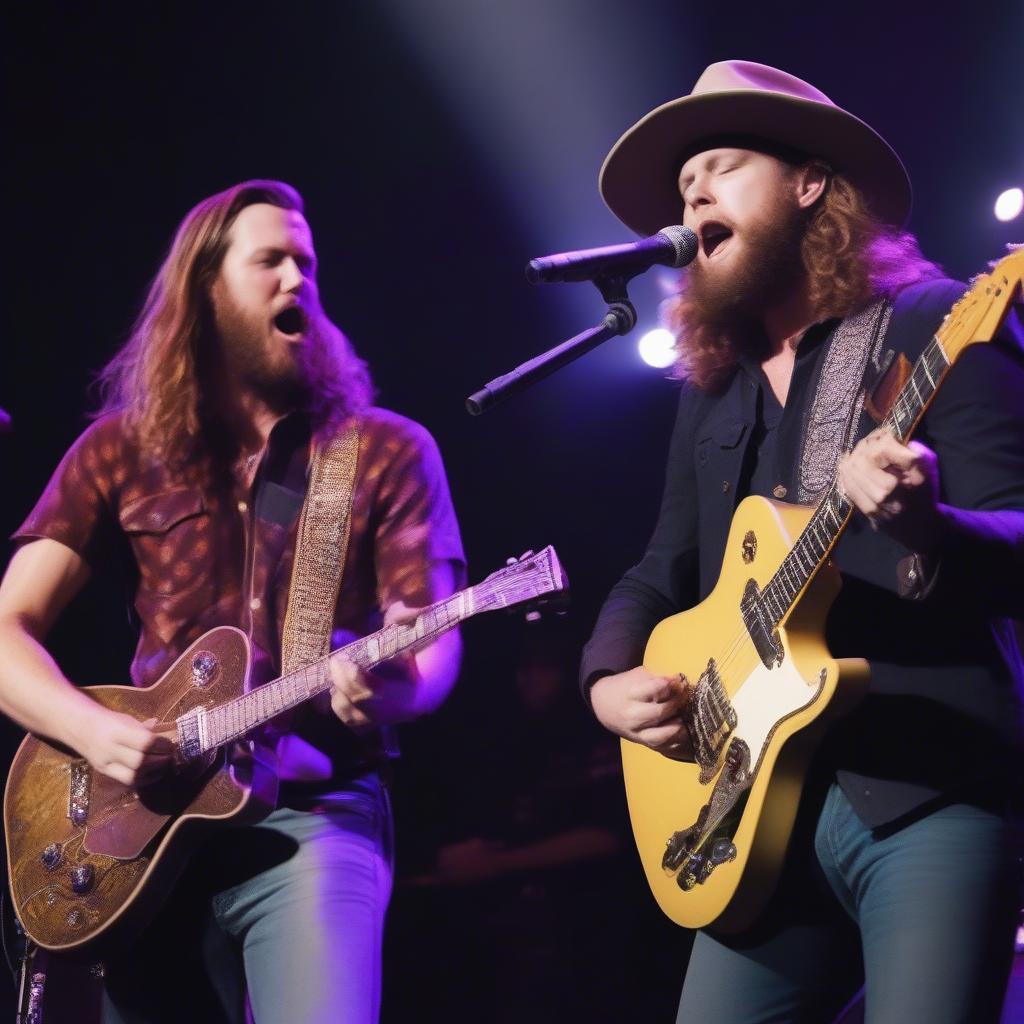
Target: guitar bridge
{"points": [[693, 853]]}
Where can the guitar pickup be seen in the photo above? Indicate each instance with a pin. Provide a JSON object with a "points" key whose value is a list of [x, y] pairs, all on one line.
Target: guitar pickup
{"points": [[760, 627]]}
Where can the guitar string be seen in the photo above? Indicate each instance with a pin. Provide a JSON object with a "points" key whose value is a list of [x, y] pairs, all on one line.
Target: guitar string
{"points": [[235, 717]]}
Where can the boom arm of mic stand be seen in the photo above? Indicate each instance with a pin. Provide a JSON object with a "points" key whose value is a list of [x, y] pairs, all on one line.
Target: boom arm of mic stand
{"points": [[620, 319]]}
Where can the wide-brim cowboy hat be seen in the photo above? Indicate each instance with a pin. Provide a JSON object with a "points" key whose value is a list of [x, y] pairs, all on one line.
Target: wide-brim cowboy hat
{"points": [[638, 179]]}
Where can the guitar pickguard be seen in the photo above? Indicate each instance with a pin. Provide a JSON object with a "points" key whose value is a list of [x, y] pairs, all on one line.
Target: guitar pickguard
{"points": [[763, 701]]}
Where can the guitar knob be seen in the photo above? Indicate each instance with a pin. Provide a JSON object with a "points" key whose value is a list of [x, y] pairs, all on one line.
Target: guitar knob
{"points": [[82, 879], [722, 851], [204, 667], [50, 856]]}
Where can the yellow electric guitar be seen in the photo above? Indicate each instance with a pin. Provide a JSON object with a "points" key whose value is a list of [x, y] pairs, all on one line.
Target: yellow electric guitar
{"points": [[712, 834]]}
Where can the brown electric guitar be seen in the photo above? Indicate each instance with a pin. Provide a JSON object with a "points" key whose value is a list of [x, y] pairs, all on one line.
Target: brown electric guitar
{"points": [[712, 835], [89, 859]]}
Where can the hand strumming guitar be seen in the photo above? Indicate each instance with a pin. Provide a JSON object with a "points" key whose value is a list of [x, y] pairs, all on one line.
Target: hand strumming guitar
{"points": [[645, 708], [122, 747]]}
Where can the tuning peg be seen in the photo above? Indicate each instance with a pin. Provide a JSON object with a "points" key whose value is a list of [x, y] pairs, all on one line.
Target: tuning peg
{"points": [[521, 558]]}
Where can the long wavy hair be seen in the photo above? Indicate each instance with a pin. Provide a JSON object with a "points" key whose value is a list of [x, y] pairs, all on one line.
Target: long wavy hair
{"points": [[850, 258], [156, 379]]}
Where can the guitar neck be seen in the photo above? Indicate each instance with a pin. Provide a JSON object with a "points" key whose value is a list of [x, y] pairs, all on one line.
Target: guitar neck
{"points": [[529, 578], [235, 718]]}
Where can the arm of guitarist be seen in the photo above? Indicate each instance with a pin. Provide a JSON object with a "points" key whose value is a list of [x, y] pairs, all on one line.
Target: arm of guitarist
{"points": [[626, 698], [41, 579], [419, 561], [960, 499]]}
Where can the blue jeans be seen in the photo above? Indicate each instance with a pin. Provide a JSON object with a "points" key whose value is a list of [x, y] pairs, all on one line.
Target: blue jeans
{"points": [[291, 910], [923, 915]]}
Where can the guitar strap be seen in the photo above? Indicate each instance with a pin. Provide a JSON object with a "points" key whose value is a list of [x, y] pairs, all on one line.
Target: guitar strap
{"points": [[320, 547], [851, 368]]}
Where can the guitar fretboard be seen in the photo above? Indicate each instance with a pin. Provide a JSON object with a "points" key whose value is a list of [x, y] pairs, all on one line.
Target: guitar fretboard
{"points": [[528, 578], [235, 718]]}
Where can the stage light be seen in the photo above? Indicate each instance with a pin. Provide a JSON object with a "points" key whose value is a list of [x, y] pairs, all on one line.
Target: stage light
{"points": [[1009, 204], [657, 348]]}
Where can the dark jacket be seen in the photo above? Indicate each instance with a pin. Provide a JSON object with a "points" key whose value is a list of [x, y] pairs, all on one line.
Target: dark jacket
{"points": [[943, 715]]}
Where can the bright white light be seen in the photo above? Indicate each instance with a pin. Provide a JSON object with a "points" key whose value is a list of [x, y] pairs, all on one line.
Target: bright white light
{"points": [[1010, 204], [657, 348]]}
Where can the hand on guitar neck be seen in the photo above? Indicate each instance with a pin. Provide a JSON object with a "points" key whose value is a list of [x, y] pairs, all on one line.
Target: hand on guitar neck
{"points": [[645, 708], [896, 487], [366, 700], [405, 687]]}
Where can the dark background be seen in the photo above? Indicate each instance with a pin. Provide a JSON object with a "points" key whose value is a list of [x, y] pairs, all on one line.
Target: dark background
{"points": [[439, 144]]}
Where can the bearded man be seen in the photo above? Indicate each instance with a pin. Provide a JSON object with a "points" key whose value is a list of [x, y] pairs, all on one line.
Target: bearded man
{"points": [[901, 871], [194, 475]]}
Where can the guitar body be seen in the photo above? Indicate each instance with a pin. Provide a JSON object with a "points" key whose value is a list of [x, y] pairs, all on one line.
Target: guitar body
{"points": [[738, 821], [88, 859], [84, 852]]}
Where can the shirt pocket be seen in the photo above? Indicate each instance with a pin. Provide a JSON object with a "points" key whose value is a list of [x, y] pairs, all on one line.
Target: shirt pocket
{"points": [[169, 534], [724, 436]]}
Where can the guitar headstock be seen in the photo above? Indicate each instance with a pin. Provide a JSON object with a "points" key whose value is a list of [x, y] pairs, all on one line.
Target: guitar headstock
{"points": [[531, 577], [978, 315]]}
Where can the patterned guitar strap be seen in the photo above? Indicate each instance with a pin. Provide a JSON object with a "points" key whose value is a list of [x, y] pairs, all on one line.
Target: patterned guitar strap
{"points": [[320, 547], [853, 365]]}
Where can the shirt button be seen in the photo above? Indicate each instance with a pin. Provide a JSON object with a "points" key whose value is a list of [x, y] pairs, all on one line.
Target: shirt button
{"points": [[255, 604], [779, 491], [725, 486], [243, 507]]}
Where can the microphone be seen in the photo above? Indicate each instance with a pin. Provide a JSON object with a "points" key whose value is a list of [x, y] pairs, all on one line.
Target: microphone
{"points": [[674, 246]]}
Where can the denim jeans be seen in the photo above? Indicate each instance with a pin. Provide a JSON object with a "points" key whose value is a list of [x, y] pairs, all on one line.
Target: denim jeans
{"points": [[291, 909], [924, 915]]}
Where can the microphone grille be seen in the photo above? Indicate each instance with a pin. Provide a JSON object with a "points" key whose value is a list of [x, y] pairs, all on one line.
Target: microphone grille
{"points": [[684, 241]]}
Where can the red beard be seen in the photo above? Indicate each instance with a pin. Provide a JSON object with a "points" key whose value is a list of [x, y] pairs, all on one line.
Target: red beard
{"points": [[732, 298]]}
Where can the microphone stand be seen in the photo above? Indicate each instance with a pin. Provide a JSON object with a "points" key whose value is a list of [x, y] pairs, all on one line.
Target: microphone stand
{"points": [[620, 319]]}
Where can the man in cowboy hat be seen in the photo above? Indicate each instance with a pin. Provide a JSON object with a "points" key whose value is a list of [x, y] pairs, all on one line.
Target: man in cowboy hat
{"points": [[804, 291]]}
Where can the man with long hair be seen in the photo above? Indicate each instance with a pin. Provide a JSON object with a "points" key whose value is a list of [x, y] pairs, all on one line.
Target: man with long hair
{"points": [[194, 475], [804, 293]]}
